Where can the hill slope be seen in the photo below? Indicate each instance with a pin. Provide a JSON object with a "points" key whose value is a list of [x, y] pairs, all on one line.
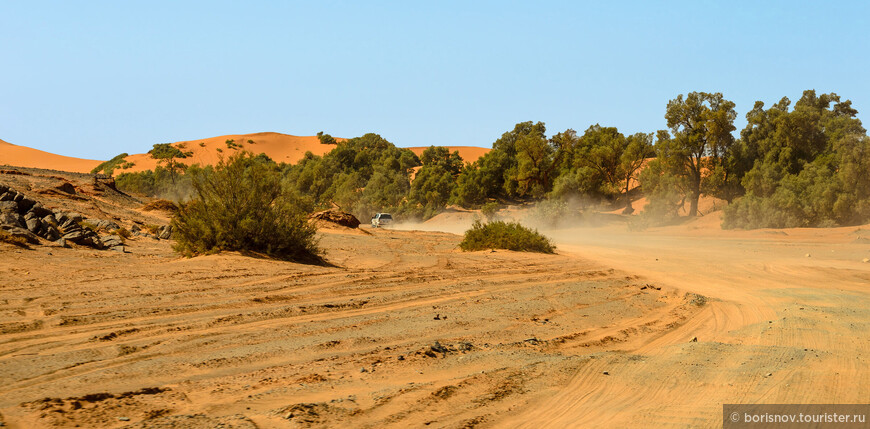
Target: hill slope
{"points": [[21, 156]]}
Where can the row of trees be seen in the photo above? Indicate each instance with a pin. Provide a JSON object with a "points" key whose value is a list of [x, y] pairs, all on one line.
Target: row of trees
{"points": [[803, 166]]}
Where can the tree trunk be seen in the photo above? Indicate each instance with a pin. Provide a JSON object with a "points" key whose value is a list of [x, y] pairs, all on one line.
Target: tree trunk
{"points": [[694, 195], [628, 208]]}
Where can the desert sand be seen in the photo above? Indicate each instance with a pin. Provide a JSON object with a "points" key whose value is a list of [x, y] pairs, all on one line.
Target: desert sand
{"points": [[22, 156], [401, 329]]}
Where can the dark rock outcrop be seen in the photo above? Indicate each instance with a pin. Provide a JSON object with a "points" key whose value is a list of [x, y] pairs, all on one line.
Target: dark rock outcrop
{"points": [[337, 217]]}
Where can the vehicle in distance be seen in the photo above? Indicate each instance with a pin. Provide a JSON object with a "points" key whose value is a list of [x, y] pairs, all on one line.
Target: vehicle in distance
{"points": [[381, 219]]}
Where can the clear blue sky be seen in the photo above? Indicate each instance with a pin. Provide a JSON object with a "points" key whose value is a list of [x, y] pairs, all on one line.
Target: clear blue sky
{"points": [[94, 79]]}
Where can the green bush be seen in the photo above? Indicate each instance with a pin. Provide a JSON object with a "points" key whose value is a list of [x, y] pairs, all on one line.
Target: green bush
{"points": [[490, 210], [240, 205], [109, 166], [505, 235]]}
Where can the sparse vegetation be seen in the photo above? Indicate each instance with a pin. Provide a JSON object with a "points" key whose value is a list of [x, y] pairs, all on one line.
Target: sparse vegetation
{"points": [[109, 166], [489, 210], [122, 232], [240, 205], [231, 144], [167, 151], [505, 235], [325, 138]]}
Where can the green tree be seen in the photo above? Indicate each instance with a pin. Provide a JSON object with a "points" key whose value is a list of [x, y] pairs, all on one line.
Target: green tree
{"points": [[434, 183], [807, 166], [167, 155], [701, 124]]}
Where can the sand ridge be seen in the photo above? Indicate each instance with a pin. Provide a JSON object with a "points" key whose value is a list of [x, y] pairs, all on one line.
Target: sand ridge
{"points": [[21, 156], [208, 151]]}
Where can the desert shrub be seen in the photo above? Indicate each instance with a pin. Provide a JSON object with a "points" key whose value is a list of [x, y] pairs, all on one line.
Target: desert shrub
{"points": [[6, 237], [325, 138], [167, 151], [109, 166], [240, 205], [122, 232], [489, 210], [505, 235]]}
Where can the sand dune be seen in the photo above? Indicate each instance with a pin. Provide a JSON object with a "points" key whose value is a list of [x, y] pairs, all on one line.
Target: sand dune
{"points": [[208, 151], [21, 156]]}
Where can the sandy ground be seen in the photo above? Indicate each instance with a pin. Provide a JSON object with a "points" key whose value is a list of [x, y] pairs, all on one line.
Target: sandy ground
{"points": [[402, 330]]}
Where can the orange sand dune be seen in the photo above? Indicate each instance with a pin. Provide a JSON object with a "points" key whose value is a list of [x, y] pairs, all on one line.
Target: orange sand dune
{"points": [[208, 151], [20, 156], [279, 147], [468, 153]]}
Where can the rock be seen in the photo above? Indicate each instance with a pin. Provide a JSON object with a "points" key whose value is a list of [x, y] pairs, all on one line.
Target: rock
{"points": [[11, 219], [135, 228], [694, 340], [66, 187], [337, 217], [68, 223], [59, 243], [7, 196], [25, 204], [8, 207], [50, 233], [865, 260], [124, 419], [3, 189], [50, 219], [606, 373], [39, 210], [74, 235], [23, 233], [438, 348], [164, 232], [112, 241], [103, 224], [807, 255], [34, 225]]}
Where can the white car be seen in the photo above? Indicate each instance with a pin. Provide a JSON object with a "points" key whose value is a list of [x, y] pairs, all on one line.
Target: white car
{"points": [[381, 219]]}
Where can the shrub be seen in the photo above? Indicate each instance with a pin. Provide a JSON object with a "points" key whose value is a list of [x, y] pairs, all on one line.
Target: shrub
{"points": [[167, 151], [489, 210], [109, 166], [240, 206], [505, 235], [122, 232]]}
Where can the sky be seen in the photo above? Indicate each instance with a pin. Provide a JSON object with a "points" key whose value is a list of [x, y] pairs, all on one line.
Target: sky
{"points": [[93, 79]]}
